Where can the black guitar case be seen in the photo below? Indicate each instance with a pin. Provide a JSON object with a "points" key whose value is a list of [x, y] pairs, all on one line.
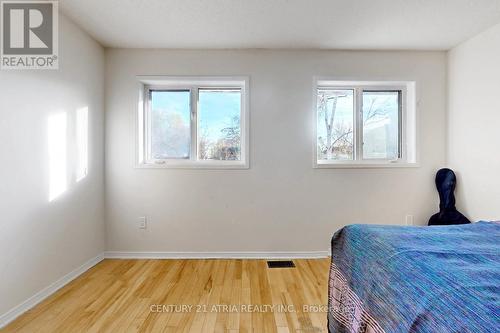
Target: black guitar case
{"points": [[448, 213]]}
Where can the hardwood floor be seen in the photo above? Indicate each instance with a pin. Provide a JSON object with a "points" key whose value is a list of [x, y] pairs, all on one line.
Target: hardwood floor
{"points": [[140, 296]]}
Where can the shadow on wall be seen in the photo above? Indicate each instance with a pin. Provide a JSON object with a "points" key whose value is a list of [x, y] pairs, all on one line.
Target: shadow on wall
{"points": [[67, 150]]}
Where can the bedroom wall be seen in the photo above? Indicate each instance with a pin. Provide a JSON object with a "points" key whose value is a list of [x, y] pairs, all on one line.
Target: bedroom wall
{"points": [[281, 203], [41, 240], [473, 121]]}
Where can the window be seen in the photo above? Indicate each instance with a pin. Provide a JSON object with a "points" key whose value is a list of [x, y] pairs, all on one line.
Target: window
{"points": [[170, 124], [193, 122], [381, 124], [219, 119], [335, 124], [364, 124]]}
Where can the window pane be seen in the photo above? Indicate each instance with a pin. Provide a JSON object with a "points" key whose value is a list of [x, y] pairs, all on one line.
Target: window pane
{"points": [[170, 124], [335, 124], [381, 124], [219, 130]]}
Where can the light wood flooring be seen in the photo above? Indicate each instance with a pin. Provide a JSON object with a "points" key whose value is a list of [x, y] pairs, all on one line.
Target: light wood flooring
{"points": [[139, 296]]}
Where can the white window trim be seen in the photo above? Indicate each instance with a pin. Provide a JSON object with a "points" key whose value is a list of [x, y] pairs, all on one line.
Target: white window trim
{"points": [[184, 83], [409, 149]]}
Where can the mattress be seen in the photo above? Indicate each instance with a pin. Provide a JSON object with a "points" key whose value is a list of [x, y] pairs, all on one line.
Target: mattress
{"points": [[393, 279]]}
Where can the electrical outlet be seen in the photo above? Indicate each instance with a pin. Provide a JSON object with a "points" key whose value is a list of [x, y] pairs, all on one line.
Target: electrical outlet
{"points": [[143, 222], [409, 219]]}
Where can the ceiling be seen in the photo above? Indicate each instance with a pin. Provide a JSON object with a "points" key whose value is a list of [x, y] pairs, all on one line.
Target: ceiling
{"points": [[318, 24]]}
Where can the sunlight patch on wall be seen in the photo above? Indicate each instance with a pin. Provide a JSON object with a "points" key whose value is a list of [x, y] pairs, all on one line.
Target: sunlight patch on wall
{"points": [[82, 143], [57, 124]]}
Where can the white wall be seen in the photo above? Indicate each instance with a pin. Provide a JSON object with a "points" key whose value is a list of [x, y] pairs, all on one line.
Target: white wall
{"points": [[281, 203], [474, 123], [41, 241]]}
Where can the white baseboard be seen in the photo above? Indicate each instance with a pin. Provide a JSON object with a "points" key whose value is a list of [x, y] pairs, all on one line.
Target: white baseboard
{"points": [[216, 255], [12, 314]]}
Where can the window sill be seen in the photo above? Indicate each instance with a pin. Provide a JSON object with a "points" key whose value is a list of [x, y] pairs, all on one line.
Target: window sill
{"points": [[194, 165], [362, 165]]}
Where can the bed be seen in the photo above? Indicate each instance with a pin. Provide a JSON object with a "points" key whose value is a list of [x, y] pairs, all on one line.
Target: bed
{"points": [[393, 279]]}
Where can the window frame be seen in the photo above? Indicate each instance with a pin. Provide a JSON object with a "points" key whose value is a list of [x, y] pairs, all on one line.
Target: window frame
{"points": [[407, 123], [193, 85]]}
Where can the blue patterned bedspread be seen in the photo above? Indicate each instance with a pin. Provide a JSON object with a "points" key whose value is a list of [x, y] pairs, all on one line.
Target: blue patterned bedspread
{"points": [[396, 279]]}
